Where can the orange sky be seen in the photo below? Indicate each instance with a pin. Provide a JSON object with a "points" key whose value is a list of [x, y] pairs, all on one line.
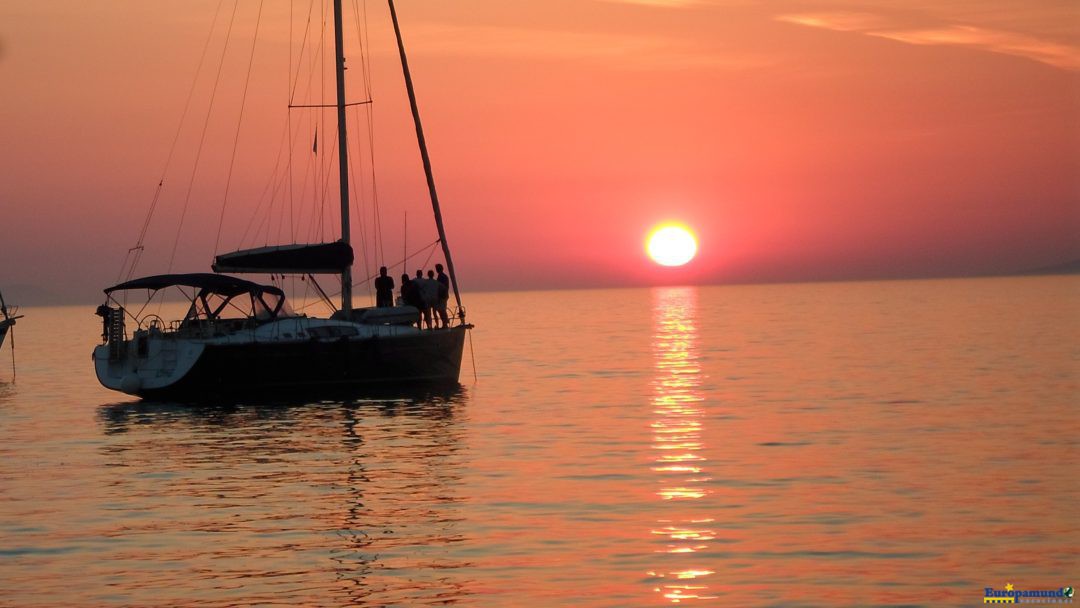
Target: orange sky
{"points": [[801, 140]]}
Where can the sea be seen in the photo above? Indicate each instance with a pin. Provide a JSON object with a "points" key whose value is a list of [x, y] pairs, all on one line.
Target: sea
{"points": [[898, 443]]}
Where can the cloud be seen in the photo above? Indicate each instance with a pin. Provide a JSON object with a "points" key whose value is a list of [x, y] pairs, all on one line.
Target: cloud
{"points": [[662, 3], [1003, 42], [839, 21], [633, 51], [1007, 43]]}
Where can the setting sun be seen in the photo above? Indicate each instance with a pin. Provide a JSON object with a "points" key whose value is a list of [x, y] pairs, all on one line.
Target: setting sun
{"points": [[671, 245]]}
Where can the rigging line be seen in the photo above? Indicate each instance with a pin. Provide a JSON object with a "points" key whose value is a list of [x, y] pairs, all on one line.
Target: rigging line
{"points": [[293, 135], [419, 251], [376, 225], [275, 180], [202, 137], [278, 179], [289, 170], [265, 219], [376, 215], [326, 188], [303, 45], [322, 117], [314, 56], [321, 174], [309, 170], [322, 293], [430, 255], [356, 200], [239, 123], [134, 252], [365, 60], [365, 55], [278, 197], [363, 38], [428, 247], [359, 185], [315, 91], [370, 90], [172, 148], [288, 117], [330, 105]]}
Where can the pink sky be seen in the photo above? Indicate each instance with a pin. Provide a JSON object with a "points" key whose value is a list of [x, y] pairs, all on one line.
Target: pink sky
{"points": [[801, 140]]}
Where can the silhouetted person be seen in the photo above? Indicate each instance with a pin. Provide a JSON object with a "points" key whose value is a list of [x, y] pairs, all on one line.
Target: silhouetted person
{"points": [[410, 297], [444, 295], [429, 295], [384, 289]]}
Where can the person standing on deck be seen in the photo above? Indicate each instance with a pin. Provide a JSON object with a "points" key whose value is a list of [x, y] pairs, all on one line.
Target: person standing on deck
{"points": [[410, 297], [384, 289], [444, 295], [429, 295]]}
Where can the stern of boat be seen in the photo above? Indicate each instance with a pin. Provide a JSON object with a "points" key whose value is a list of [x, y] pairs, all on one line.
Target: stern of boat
{"points": [[146, 362]]}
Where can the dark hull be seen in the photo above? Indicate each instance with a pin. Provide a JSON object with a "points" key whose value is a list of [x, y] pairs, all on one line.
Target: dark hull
{"points": [[430, 358]]}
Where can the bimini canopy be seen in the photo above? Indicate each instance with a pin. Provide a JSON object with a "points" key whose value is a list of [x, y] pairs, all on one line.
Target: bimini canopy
{"points": [[317, 258], [210, 283], [216, 295]]}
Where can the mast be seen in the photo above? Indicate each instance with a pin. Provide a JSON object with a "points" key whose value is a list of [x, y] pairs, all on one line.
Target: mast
{"points": [[343, 157], [424, 156]]}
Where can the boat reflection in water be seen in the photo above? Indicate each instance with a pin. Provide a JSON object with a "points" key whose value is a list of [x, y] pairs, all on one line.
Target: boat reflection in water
{"points": [[330, 501], [679, 460]]}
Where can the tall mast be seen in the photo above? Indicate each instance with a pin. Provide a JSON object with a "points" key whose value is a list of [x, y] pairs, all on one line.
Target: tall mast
{"points": [[343, 156], [424, 155]]}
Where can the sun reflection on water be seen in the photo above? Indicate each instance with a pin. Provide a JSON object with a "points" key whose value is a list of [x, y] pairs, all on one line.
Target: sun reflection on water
{"points": [[679, 461]]}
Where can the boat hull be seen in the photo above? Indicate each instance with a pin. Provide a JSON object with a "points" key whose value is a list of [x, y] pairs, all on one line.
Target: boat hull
{"points": [[209, 370]]}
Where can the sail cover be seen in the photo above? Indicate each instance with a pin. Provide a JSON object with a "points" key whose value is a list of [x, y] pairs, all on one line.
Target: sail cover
{"points": [[317, 258]]}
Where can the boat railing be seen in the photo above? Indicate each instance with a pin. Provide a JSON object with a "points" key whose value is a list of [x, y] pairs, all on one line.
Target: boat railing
{"points": [[210, 328], [192, 328]]}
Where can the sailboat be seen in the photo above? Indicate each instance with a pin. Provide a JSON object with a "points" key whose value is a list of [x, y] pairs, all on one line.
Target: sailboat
{"points": [[7, 319], [242, 337]]}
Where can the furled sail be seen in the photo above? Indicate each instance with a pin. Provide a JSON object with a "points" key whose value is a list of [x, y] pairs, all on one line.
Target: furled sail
{"points": [[316, 258]]}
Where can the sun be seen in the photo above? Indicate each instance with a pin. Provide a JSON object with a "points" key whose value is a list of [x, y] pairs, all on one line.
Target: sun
{"points": [[671, 245]]}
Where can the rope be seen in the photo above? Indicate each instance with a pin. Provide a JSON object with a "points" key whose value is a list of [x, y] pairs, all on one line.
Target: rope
{"points": [[11, 330], [472, 354]]}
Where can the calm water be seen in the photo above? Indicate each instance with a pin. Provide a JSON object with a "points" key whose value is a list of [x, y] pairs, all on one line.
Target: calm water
{"points": [[897, 443]]}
